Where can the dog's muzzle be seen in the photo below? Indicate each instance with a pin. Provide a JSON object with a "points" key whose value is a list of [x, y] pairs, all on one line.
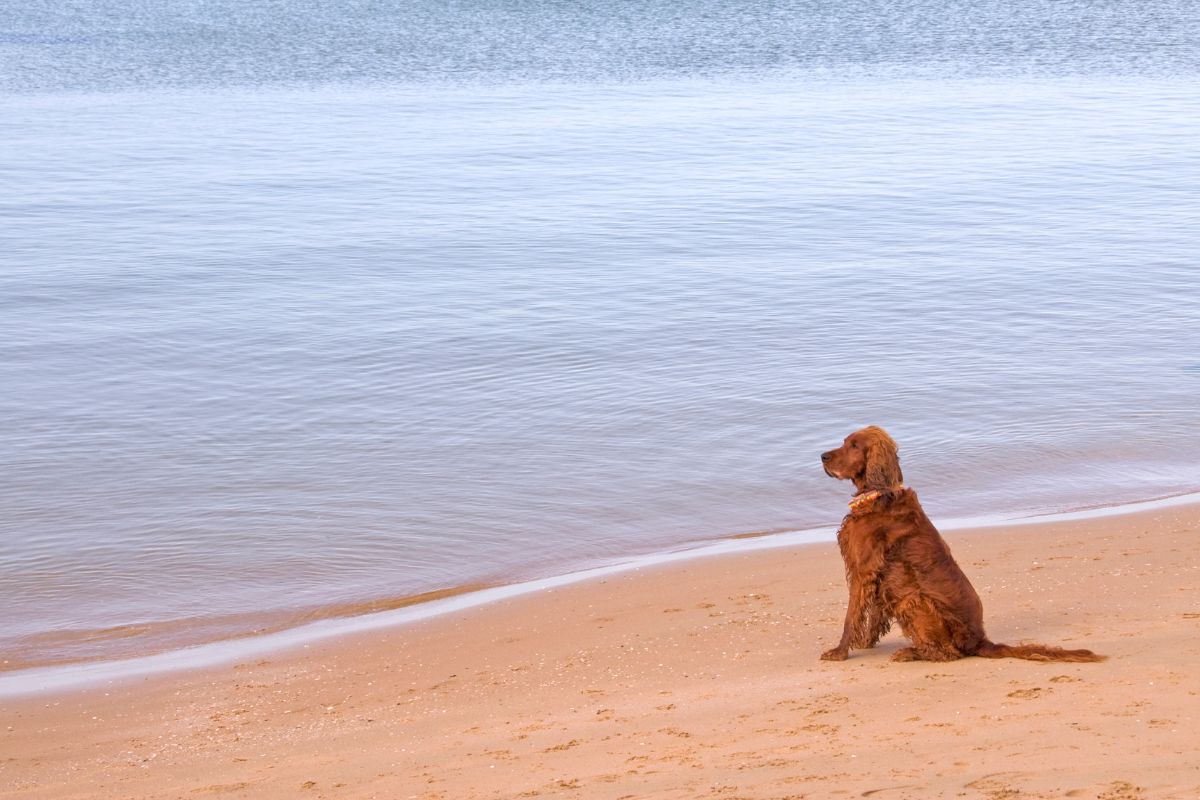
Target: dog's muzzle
{"points": [[825, 459]]}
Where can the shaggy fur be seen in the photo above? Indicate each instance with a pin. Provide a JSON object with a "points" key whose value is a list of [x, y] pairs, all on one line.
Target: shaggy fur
{"points": [[899, 568]]}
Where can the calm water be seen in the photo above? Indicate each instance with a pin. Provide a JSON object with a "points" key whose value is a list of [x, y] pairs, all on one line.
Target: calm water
{"points": [[304, 308]]}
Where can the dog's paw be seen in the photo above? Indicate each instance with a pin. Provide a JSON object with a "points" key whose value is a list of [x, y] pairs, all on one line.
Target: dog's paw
{"points": [[836, 654]]}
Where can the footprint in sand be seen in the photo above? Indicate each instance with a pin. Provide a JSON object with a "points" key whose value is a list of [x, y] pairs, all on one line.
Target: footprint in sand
{"points": [[1121, 790], [997, 785], [676, 732], [885, 791], [563, 746], [1118, 790]]}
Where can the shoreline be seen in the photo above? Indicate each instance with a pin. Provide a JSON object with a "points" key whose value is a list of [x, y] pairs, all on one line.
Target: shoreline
{"points": [[75, 675], [698, 678]]}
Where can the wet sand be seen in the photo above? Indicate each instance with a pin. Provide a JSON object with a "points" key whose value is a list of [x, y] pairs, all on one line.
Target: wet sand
{"points": [[698, 679]]}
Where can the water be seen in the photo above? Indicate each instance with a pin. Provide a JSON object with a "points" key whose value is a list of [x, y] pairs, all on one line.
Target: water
{"points": [[306, 310]]}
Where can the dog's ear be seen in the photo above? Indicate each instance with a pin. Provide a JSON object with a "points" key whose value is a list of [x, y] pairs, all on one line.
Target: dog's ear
{"points": [[882, 470]]}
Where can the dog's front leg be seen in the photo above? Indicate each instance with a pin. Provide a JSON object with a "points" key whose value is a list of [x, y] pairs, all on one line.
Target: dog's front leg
{"points": [[855, 609]]}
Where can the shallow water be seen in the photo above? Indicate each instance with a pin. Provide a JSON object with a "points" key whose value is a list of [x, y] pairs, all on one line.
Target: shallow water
{"points": [[301, 313]]}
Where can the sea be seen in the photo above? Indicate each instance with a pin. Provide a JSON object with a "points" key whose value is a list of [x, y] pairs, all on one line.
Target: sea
{"points": [[311, 309]]}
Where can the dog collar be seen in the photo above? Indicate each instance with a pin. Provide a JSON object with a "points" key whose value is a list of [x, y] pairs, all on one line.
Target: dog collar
{"points": [[865, 499], [860, 500]]}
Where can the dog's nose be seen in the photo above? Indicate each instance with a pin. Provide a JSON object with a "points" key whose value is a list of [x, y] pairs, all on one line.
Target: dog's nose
{"points": [[825, 457]]}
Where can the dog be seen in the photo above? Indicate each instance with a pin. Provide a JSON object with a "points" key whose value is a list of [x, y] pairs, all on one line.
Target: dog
{"points": [[899, 568]]}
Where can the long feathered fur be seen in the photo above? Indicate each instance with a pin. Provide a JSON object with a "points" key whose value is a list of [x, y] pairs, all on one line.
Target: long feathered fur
{"points": [[898, 568]]}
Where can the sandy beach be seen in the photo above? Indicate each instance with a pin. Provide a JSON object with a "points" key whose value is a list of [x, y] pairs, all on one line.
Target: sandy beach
{"points": [[698, 679]]}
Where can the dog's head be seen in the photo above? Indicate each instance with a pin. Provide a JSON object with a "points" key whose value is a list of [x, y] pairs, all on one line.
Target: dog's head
{"points": [[869, 457]]}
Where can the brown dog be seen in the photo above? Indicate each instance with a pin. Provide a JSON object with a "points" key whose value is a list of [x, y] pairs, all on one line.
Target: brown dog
{"points": [[899, 568]]}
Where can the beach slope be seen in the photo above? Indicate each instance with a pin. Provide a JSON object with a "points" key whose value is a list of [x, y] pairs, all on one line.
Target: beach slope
{"points": [[697, 679]]}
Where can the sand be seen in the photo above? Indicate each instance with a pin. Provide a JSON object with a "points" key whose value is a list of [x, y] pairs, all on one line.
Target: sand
{"points": [[699, 679]]}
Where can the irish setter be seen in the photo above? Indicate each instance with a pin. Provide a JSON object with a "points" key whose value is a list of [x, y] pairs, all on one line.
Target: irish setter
{"points": [[899, 568]]}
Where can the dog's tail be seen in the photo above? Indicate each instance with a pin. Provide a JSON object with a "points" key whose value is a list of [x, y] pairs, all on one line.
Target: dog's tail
{"points": [[1034, 652]]}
